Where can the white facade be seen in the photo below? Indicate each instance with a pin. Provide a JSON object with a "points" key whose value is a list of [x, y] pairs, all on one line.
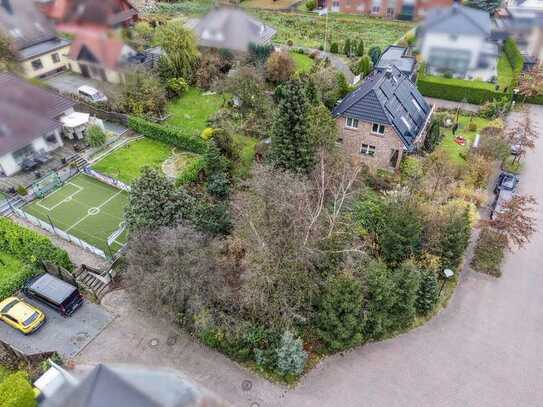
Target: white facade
{"points": [[460, 51], [10, 163]]}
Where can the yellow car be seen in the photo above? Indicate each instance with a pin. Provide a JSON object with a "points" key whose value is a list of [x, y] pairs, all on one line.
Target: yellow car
{"points": [[20, 315]]}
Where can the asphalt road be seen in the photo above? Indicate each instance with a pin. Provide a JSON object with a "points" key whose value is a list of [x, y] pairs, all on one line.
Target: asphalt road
{"points": [[67, 336], [484, 350]]}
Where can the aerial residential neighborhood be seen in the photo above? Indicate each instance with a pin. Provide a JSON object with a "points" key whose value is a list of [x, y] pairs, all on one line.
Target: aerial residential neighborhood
{"points": [[270, 203]]}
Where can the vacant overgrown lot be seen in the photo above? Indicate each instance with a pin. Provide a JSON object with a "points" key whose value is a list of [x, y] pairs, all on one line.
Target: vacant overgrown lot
{"points": [[308, 29]]}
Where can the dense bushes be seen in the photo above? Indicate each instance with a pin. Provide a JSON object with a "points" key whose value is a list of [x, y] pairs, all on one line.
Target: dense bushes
{"points": [[29, 246], [13, 274], [170, 135], [191, 172], [514, 57], [16, 391]]}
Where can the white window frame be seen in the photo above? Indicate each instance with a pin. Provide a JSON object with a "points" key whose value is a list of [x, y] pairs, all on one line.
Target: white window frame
{"points": [[354, 122], [368, 150], [55, 57], [379, 128], [406, 122]]}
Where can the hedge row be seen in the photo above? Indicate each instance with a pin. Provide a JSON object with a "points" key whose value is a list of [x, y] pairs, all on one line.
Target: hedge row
{"points": [[515, 58], [456, 91], [30, 247], [168, 134]]}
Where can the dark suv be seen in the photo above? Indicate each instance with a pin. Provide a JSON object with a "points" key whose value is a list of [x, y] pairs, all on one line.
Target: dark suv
{"points": [[54, 292], [506, 181]]}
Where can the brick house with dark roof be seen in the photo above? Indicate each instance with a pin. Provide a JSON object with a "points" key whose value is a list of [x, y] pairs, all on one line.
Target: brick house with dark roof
{"points": [[394, 9], [69, 15], [29, 121], [383, 118]]}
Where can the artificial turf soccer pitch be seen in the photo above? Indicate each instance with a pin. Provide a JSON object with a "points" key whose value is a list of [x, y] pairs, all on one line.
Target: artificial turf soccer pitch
{"points": [[85, 208]]}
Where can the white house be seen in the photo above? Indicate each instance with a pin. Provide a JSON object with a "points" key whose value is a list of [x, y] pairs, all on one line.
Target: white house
{"points": [[30, 124], [457, 40]]}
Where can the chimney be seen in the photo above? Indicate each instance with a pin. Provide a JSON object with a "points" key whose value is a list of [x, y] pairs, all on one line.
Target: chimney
{"points": [[7, 5]]}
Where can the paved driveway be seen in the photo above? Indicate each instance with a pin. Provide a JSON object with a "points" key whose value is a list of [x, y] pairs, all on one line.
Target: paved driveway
{"points": [[484, 350], [66, 336], [68, 82]]}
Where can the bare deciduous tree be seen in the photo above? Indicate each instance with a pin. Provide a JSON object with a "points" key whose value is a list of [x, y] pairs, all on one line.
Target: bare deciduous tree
{"points": [[516, 221], [522, 135]]}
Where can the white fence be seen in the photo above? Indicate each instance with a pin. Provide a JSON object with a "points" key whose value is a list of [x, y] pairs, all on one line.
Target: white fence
{"points": [[58, 232], [106, 179]]}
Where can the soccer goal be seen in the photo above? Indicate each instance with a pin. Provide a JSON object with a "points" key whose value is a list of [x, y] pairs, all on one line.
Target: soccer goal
{"points": [[46, 184]]}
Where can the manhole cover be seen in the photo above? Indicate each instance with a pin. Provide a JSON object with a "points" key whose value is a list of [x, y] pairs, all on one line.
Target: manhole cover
{"points": [[153, 343], [246, 385], [171, 340]]}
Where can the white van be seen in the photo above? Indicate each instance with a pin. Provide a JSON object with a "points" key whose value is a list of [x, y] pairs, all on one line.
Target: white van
{"points": [[90, 94]]}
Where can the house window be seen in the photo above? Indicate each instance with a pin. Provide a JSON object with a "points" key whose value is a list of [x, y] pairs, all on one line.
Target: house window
{"points": [[390, 12], [22, 153], [375, 9], [417, 105], [377, 128], [367, 150], [335, 4], [351, 123], [37, 65], [55, 58]]}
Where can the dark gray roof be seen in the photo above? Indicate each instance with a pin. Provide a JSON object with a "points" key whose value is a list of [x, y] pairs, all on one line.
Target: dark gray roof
{"points": [[24, 24], [27, 112], [457, 19], [122, 386], [232, 28], [43, 48], [396, 56], [388, 97], [55, 288]]}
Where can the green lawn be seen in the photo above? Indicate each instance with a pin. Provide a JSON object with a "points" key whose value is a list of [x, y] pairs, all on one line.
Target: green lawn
{"points": [[13, 273], [455, 150], [246, 147], [307, 29], [302, 61], [476, 84], [192, 109], [85, 208], [126, 163]]}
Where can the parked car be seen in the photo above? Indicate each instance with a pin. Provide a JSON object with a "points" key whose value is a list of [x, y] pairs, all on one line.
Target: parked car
{"points": [[506, 181], [20, 315], [55, 293], [503, 197], [91, 94]]}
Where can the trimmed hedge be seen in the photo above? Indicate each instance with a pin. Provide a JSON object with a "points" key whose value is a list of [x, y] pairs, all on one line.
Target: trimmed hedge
{"points": [[456, 89], [30, 247], [168, 134], [16, 391], [515, 58]]}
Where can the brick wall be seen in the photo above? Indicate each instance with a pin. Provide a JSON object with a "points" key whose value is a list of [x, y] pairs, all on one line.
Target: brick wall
{"points": [[352, 140]]}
